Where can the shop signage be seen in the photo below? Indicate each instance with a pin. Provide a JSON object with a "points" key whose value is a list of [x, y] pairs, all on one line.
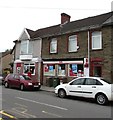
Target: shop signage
{"points": [[25, 57]]}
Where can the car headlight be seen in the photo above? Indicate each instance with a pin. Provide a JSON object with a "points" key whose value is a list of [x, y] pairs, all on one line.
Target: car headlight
{"points": [[29, 83]]}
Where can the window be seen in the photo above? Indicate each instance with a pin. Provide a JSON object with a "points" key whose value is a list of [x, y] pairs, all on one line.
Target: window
{"points": [[61, 70], [74, 68], [16, 77], [53, 46], [92, 82], [26, 47], [96, 40], [49, 70], [73, 43], [78, 82], [30, 67]]}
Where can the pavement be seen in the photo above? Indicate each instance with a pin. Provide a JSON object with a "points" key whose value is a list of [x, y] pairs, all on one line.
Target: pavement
{"points": [[48, 89]]}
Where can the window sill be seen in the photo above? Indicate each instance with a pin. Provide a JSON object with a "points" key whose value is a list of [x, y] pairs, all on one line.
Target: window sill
{"points": [[96, 49]]}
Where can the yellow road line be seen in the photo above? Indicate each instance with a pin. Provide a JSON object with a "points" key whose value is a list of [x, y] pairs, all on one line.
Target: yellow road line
{"points": [[6, 114]]}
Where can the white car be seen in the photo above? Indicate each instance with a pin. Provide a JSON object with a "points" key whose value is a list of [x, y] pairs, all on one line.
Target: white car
{"points": [[88, 87]]}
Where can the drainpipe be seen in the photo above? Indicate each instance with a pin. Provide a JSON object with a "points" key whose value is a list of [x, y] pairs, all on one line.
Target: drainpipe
{"points": [[89, 52]]}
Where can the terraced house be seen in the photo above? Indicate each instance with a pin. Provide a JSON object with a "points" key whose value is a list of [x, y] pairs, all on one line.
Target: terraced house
{"points": [[69, 49]]}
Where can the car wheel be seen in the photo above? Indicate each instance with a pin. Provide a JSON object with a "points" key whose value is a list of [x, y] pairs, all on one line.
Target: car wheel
{"points": [[62, 93], [6, 85], [22, 87], [101, 99]]}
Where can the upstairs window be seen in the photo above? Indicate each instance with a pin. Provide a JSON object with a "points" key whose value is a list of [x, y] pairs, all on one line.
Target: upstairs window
{"points": [[72, 43], [26, 47], [53, 46], [96, 40]]}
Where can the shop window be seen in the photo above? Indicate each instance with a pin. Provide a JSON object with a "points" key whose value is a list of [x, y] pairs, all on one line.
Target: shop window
{"points": [[61, 70], [29, 68], [96, 40], [74, 68], [49, 70]]}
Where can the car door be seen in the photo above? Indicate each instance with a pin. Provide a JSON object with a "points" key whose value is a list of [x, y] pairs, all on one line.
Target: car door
{"points": [[75, 87], [90, 87], [10, 80], [16, 81]]}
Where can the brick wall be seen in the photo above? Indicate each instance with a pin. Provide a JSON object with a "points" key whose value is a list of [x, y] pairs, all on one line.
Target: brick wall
{"points": [[106, 54], [63, 47]]}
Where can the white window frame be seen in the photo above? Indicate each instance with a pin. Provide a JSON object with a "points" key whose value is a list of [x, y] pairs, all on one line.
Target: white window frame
{"points": [[27, 47], [96, 36], [24, 45], [72, 45], [28, 65], [53, 46]]}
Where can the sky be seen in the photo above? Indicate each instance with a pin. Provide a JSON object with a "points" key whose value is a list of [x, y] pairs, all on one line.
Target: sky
{"points": [[15, 15]]}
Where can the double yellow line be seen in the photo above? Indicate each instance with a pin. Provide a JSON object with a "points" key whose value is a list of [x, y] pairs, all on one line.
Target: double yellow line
{"points": [[6, 114]]}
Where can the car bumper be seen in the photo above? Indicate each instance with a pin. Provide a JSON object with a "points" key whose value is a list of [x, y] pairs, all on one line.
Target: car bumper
{"points": [[56, 91], [33, 87]]}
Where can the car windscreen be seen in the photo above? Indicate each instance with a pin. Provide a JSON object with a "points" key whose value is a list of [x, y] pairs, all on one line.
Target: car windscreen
{"points": [[24, 77], [107, 81]]}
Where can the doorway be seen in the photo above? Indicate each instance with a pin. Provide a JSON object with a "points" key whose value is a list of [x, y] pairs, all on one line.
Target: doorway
{"points": [[97, 71]]}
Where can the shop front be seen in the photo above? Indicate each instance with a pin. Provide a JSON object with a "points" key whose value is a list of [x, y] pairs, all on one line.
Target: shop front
{"points": [[63, 70], [31, 68]]}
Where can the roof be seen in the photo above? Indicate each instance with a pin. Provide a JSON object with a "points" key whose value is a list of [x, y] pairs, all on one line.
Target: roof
{"points": [[30, 32], [72, 26], [3, 54], [87, 22], [44, 32]]}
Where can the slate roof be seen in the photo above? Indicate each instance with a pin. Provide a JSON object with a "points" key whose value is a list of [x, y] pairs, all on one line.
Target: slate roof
{"points": [[3, 54], [44, 32], [77, 25], [30, 32]]}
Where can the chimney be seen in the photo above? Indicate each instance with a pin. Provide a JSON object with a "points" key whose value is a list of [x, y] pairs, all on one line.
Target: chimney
{"points": [[65, 18]]}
